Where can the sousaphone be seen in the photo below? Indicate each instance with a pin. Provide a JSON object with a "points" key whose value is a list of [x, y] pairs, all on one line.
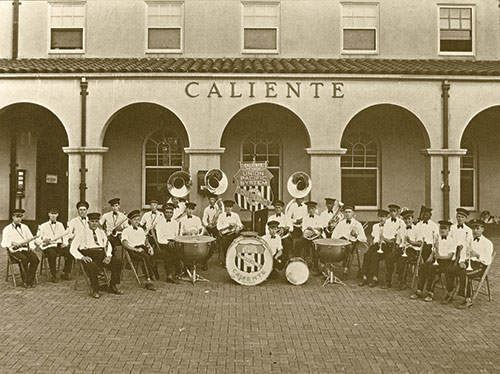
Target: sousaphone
{"points": [[299, 185], [179, 184], [216, 181]]}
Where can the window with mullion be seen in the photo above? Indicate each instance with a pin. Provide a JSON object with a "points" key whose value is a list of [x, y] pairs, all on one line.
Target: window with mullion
{"points": [[260, 27], [468, 177], [67, 27], [359, 27], [164, 26], [455, 29]]}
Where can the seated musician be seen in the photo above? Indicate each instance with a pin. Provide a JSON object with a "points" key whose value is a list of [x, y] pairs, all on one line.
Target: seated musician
{"points": [[274, 240], [135, 242], [428, 229], [460, 231], [409, 242], [114, 222], [441, 258], [383, 237], [229, 225], [91, 246], [285, 229], [350, 229], [167, 230], [478, 253], [209, 220], [18, 239], [296, 212], [53, 240], [311, 229], [327, 215], [395, 224]]}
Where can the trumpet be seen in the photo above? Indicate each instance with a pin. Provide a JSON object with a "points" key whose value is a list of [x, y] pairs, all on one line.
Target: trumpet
{"points": [[405, 245], [468, 253], [435, 250], [381, 227]]}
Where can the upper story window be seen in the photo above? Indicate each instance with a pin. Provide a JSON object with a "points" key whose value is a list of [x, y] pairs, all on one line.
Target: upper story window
{"points": [[261, 27], [455, 30], [164, 26], [67, 27], [359, 28]]}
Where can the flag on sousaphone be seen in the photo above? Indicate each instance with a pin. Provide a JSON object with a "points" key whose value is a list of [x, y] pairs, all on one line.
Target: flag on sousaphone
{"points": [[253, 198]]}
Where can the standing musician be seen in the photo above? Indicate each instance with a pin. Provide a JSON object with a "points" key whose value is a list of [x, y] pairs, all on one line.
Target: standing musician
{"points": [[92, 247], [311, 229], [134, 240], [428, 229], [478, 255], [383, 238], [297, 211], [209, 220], [114, 222], [17, 238], [53, 241], [409, 241], [349, 229], [167, 230], [229, 225], [274, 240], [443, 253], [327, 215], [150, 219], [460, 231], [79, 223], [284, 230]]}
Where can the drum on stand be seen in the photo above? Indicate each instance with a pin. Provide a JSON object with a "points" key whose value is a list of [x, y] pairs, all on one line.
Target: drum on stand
{"points": [[330, 251], [249, 260], [194, 249], [296, 271]]}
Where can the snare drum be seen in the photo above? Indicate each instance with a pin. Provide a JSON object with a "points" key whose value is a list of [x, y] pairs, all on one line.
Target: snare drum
{"points": [[297, 271]]}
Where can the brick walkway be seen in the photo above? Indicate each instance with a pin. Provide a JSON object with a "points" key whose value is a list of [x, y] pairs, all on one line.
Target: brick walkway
{"points": [[221, 327]]}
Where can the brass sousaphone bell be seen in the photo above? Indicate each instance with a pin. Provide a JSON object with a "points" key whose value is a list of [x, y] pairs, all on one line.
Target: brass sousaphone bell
{"points": [[179, 184], [299, 184], [216, 181]]}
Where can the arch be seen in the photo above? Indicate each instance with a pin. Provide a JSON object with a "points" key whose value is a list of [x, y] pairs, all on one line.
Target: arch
{"points": [[484, 112]]}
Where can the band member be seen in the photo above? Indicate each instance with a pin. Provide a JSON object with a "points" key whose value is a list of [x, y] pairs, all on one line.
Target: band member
{"points": [[166, 231], [79, 223], [460, 231], [209, 220], [478, 254], [134, 240], [383, 237], [114, 222], [428, 229], [92, 247], [443, 253], [229, 225], [179, 207], [151, 218], [189, 223], [297, 211], [326, 217], [349, 229], [311, 229], [17, 237], [394, 219], [285, 229], [274, 240], [53, 241], [393, 223], [410, 243]]}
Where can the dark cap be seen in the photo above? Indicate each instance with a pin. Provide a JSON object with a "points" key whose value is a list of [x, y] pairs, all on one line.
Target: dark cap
{"points": [[407, 213], [464, 212], [54, 211], [134, 213], [311, 204], [273, 223], [228, 203], [382, 213], [94, 216], [329, 200], [82, 203], [445, 223], [476, 222], [153, 201], [190, 205], [426, 209], [279, 203], [114, 201], [351, 207], [393, 206], [18, 211]]}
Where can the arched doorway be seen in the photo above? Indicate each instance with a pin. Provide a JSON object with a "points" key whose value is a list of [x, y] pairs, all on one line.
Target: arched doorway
{"points": [[146, 144]]}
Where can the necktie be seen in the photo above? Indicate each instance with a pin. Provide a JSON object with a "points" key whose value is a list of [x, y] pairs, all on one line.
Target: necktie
{"points": [[476, 239], [393, 219], [228, 214], [311, 215], [96, 241], [330, 211], [168, 220], [348, 221], [443, 237], [460, 226]]}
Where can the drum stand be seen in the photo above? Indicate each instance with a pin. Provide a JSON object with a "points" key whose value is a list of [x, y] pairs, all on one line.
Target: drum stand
{"points": [[192, 276], [331, 278]]}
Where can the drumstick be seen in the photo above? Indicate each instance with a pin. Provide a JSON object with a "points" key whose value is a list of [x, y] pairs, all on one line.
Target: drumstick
{"points": [[250, 261]]}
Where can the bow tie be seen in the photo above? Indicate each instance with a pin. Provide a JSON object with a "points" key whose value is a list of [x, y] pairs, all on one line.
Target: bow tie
{"points": [[115, 213], [189, 216], [135, 228], [168, 220], [443, 237], [311, 215], [348, 221], [408, 227], [299, 205], [53, 223], [273, 237], [330, 211], [154, 213], [17, 226], [228, 214], [425, 222], [212, 207], [278, 215], [460, 226], [476, 239], [393, 220]]}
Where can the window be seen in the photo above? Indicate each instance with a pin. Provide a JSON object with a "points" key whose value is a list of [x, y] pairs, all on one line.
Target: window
{"points": [[163, 155], [67, 27], [360, 170], [164, 32], [262, 146], [260, 27], [455, 30], [468, 173], [359, 28]]}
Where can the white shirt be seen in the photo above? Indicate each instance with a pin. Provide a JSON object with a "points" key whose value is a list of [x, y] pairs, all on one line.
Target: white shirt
{"points": [[428, 230], [461, 235], [483, 249], [149, 219], [224, 221], [282, 219], [394, 225], [134, 237], [208, 215], [12, 234], [166, 231], [413, 234], [344, 229], [77, 225], [274, 243], [110, 221], [85, 239], [47, 230], [191, 223], [447, 246], [296, 212], [325, 217], [388, 232], [314, 222]]}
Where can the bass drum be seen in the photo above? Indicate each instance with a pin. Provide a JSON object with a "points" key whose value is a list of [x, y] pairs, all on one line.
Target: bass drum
{"points": [[297, 271], [249, 260]]}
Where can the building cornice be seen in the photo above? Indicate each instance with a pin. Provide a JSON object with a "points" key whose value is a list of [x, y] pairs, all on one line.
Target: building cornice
{"points": [[326, 152], [204, 151], [85, 150], [443, 152]]}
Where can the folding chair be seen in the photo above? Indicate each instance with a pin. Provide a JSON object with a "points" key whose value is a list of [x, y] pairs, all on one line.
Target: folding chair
{"points": [[44, 263], [103, 278], [11, 262], [481, 281], [128, 260], [416, 266]]}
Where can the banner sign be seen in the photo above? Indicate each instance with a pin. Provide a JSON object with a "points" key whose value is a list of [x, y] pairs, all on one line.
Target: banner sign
{"points": [[253, 190]]}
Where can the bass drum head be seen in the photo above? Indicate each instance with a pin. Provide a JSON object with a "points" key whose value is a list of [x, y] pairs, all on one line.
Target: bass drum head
{"points": [[297, 271]]}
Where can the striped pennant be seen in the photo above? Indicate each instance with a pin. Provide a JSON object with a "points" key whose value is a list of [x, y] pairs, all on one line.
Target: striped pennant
{"points": [[262, 195]]}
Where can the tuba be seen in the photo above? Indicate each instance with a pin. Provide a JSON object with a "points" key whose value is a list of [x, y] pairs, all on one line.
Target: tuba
{"points": [[216, 183], [179, 184], [299, 185]]}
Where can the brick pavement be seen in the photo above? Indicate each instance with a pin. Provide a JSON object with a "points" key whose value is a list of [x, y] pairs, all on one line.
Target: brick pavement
{"points": [[221, 327]]}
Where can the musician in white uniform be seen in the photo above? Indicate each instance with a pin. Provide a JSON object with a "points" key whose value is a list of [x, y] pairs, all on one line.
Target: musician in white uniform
{"points": [[167, 230], [189, 223], [53, 240], [149, 219], [285, 226], [350, 229], [179, 206], [274, 240], [91, 246], [311, 229], [79, 223], [15, 237], [209, 221], [410, 243], [296, 212], [444, 248], [393, 253], [229, 226], [114, 222], [134, 241], [428, 229], [478, 253], [460, 231], [327, 215]]}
